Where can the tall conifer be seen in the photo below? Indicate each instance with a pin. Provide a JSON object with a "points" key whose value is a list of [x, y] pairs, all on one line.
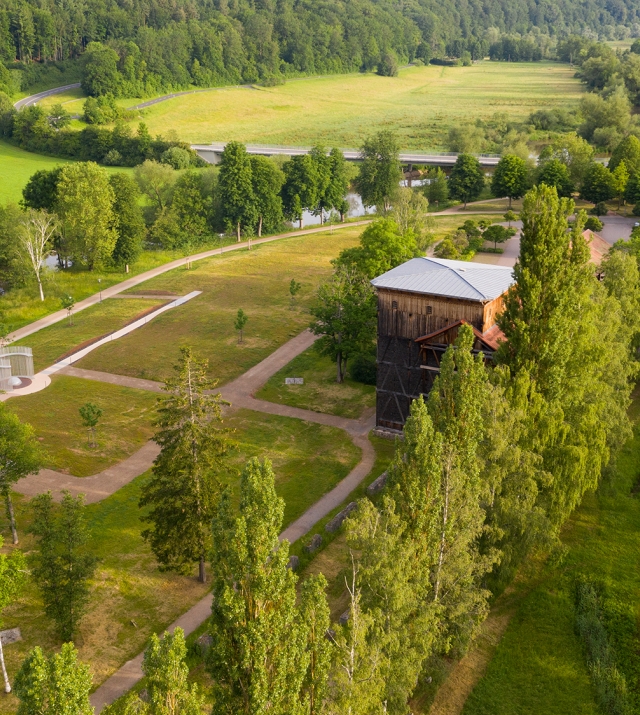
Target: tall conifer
{"points": [[184, 488]]}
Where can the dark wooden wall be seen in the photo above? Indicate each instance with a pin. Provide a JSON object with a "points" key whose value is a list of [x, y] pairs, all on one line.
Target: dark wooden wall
{"points": [[403, 317]]}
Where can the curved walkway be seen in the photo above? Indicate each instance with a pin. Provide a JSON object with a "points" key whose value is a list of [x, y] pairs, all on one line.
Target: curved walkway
{"points": [[159, 270], [240, 393]]}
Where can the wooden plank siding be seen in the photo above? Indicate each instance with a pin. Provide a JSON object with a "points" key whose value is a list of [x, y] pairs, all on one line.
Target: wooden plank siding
{"points": [[403, 317]]}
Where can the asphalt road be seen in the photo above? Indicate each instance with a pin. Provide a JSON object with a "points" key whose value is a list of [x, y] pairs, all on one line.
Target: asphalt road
{"points": [[35, 98]]}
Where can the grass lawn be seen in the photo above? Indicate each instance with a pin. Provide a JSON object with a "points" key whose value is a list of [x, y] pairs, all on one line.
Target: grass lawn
{"points": [[50, 344], [420, 105], [308, 459], [256, 281], [21, 306], [17, 166], [320, 391], [128, 588], [539, 667], [125, 425]]}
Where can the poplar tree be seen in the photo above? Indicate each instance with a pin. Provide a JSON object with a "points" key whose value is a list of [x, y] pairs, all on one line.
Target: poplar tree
{"points": [[167, 673], [395, 590], [567, 331], [259, 658], [58, 684], [316, 617], [183, 489], [455, 405], [300, 189], [13, 571], [20, 455]]}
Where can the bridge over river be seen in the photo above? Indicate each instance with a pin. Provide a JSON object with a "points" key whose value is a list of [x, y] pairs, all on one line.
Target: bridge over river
{"points": [[212, 153]]}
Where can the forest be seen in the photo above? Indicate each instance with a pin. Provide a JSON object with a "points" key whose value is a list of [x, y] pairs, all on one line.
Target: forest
{"points": [[141, 49]]}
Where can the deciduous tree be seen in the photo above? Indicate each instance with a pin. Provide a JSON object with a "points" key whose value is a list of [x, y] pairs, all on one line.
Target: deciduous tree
{"points": [[183, 489], [556, 173], [267, 180], [380, 173], [36, 241], [84, 202], [301, 187], [13, 571], [510, 178], [238, 202], [344, 316], [259, 658], [62, 564], [130, 221], [167, 673], [467, 179], [58, 684], [597, 185], [20, 455]]}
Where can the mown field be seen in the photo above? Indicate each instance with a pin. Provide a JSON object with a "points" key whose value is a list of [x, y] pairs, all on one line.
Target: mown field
{"points": [[18, 165], [420, 105], [256, 281]]}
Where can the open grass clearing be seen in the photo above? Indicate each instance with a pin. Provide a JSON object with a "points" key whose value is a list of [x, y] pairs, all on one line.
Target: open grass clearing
{"points": [[125, 425], [128, 588], [17, 166], [320, 391], [420, 105], [255, 280], [539, 666], [50, 344]]}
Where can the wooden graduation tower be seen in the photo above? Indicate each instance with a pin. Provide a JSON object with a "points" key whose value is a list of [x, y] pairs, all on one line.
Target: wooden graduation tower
{"points": [[421, 305]]}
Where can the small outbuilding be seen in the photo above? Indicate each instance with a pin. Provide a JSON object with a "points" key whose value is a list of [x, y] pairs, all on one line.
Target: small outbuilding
{"points": [[421, 305]]}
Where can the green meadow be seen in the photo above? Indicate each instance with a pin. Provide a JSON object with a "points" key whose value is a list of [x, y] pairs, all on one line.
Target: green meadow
{"points": [[421, 104]]}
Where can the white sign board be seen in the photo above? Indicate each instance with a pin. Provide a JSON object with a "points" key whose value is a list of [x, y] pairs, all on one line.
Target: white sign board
{"points": [[294, 380]]}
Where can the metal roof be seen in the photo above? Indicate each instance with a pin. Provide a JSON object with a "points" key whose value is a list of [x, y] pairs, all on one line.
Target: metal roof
{"points": [[452, 279]]}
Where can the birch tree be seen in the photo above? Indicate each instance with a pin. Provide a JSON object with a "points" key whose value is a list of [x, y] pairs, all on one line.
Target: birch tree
{"points": [[35, 240], [20, 455], [357, 685], [12, 576], [183, 490]]}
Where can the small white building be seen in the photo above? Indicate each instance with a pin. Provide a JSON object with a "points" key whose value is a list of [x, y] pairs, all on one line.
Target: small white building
{"points": [[16, 364]]}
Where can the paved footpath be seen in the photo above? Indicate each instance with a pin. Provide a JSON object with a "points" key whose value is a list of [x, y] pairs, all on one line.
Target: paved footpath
{"points": [[240, 394], [159, 270]]}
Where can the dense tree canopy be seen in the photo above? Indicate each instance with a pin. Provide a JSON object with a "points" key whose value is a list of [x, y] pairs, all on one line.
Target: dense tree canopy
{"points": [[145, 47]]}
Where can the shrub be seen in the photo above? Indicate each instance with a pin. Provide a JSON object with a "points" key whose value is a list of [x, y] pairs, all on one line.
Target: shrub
{"points": [[113, 158], [176, 157], [593, 223], [363, 369], [636, 210], [600, 209]]}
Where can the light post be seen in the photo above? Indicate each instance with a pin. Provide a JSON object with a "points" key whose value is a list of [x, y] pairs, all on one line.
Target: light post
{"points": [[100, 286]]}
